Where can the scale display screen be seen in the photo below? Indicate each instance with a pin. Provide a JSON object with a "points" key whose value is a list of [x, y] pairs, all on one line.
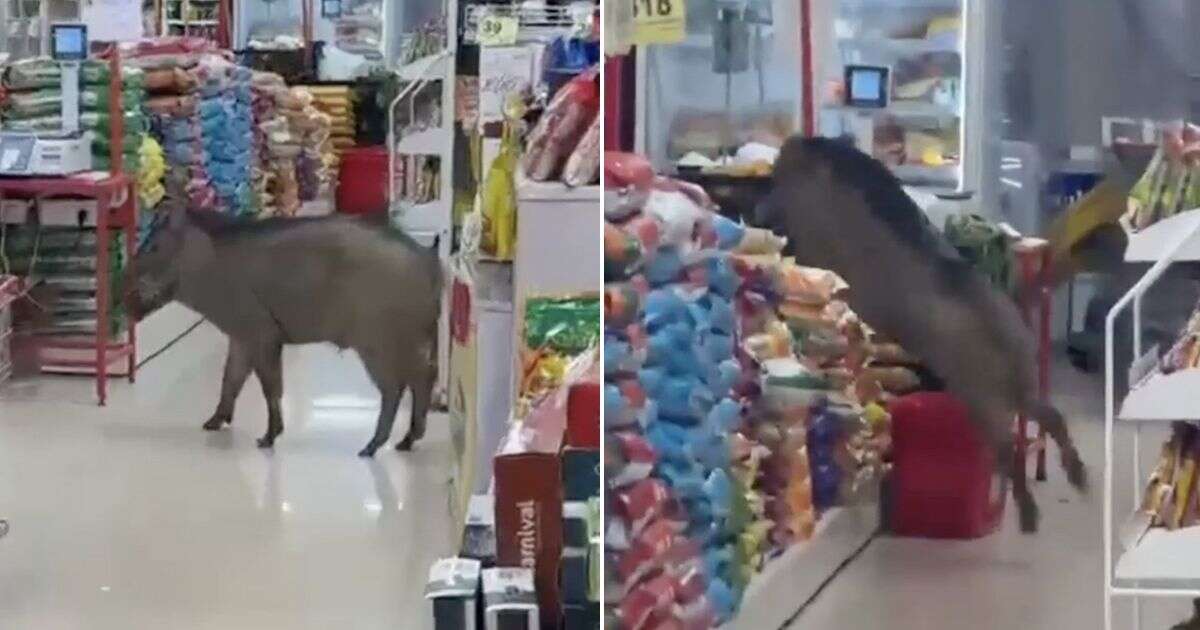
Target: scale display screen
{"points": [[867, 86], [68, 42]]}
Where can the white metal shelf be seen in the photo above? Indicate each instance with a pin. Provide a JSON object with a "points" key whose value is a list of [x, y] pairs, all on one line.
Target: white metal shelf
{"points": [[1162, 563], [431, 141], [900, 47], [1147, 245], [1164, 398], [1162, 560]]}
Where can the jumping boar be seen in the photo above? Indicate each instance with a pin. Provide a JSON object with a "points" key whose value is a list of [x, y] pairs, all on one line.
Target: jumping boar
{"points": [[843, 210], [275, 282]]}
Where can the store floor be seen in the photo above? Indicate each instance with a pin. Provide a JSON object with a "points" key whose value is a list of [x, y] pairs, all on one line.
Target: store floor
{"points": [[131, 516], [1049, 581]]}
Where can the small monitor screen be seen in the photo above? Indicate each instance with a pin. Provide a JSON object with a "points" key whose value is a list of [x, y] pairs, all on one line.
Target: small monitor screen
{"points": [[867, 86], [69, 42]]}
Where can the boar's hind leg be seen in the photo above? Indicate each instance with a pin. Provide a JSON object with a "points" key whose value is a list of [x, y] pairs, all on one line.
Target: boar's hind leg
{"points": [[269, 367], [386, 375], [997, 426], [422, 385], [237, 369]]}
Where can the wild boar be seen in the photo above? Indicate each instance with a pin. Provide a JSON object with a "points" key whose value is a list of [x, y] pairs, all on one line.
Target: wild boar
{"points": [[843, 210], [275, 282]]}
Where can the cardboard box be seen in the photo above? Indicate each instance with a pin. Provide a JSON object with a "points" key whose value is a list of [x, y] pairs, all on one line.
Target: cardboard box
{"points": [[453, 588], [510, 599], [583, 415], [529, 527]]}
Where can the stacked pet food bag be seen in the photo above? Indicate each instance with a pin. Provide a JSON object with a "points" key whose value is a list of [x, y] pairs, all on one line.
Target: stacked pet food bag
{"points": [[311, 127], [173, 106], [225, 125], [34, 103], [714, 420]]}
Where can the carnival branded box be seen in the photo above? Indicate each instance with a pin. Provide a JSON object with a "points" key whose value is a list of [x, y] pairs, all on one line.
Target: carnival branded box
{"points": [[529, 524]]}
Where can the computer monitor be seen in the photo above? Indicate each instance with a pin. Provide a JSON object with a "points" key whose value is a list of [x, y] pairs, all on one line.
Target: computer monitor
{"points": [[867, 86], [68, 42]]}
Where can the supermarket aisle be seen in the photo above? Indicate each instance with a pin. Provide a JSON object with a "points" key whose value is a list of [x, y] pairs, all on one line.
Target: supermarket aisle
{"points": [[132, 517], [1050, 581]]}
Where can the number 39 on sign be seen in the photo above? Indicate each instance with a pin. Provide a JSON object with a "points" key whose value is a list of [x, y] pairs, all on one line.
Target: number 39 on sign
{"points": [[659, 21]]}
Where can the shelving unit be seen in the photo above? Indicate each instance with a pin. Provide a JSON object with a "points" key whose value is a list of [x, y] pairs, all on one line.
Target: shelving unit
{"points": [[1158, 563], [25, 24], [197, 18], [115, 197], [432, 220]]}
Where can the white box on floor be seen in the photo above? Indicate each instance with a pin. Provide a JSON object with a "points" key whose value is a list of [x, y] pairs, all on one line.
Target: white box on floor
{"points": [[509, 599], [453, 587]]}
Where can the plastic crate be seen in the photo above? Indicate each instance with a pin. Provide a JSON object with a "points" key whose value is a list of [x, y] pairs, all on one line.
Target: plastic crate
{"points": [[9, 291]]}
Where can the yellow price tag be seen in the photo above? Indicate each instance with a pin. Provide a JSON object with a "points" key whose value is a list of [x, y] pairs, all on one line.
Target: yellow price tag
{"points": [[496, 30], [659, 21]]}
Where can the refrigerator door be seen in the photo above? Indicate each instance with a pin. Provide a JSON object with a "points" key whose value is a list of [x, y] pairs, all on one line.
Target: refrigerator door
{"points": [[923, 131]]}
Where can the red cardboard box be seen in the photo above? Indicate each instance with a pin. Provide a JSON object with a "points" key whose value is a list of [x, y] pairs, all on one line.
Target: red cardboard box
{"points": [[583, 415], [529, 524]]}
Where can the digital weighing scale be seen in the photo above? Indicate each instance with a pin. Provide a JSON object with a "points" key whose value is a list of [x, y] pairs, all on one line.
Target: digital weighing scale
{"points": [[54, 154]]}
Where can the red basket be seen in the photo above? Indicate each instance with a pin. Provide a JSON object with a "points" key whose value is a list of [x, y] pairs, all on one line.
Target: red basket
{"points": [[944, 476]]}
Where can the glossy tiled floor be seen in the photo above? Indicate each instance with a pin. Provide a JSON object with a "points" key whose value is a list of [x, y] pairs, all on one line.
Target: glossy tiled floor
{"points": [[132, 517], [1051, 581]]}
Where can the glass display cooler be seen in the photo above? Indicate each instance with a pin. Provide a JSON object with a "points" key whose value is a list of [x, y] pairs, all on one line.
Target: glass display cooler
{"points": [[930, 128]]}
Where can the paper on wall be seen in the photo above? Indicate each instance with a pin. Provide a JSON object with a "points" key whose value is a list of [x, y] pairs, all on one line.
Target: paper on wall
{"points": [[113, 20]]}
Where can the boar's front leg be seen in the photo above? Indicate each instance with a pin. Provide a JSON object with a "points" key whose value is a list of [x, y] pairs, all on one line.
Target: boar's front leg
{"points": [[237, 369], [269, 367]]}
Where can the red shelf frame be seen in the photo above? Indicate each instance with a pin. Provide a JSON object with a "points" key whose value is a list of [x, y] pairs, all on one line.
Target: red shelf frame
{"points": [[116, 208]]}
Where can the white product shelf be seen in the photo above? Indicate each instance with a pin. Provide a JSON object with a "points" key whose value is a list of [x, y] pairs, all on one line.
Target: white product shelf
{"points": [[1148, 245], [432, 67], [1164, 398], [431, 141], [1163, 559], [900, 47]]}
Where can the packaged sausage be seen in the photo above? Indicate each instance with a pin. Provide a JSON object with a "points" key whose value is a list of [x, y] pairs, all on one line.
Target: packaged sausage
{"points": [[583, 167], [561, 126]]}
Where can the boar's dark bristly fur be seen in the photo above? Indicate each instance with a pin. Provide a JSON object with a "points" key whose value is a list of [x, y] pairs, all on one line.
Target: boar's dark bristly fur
{"points": [[271, 283], [843, 210]]}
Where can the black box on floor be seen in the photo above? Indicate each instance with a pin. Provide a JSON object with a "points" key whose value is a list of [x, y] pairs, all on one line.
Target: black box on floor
{"points": [[453, 587], [582, 617], [581, 473], [575, 575], [479, 535], [510, 599], [576, 528]]}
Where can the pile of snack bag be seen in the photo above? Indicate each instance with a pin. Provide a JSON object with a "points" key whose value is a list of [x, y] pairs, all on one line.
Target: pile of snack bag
{"points": [[33, 103], [556, 331], [337, 102], [726, 441], [1171, 500], [1171, 183]]}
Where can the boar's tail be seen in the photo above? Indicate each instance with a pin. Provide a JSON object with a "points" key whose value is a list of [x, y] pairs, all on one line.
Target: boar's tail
{"points": [[1052, 420]]}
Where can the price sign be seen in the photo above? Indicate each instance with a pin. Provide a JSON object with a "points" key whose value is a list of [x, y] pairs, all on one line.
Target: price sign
{"points": [[659, 21], [496, 30]]}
